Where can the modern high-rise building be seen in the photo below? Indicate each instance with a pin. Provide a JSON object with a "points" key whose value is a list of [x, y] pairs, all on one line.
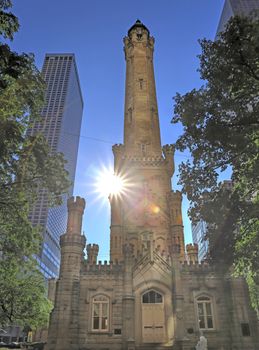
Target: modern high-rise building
{"points": [[60, 124], [236, 7], [198, 236]]}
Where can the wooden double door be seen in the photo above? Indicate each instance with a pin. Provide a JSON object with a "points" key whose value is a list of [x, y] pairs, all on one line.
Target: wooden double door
{"points": [[153, 318]]}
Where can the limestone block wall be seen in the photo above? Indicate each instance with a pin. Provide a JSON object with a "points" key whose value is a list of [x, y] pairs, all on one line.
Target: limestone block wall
{"points": [[230, 308], [107, 280]]}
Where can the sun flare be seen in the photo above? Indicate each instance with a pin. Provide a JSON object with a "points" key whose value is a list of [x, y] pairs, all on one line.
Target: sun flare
{"points": [[109, 183]]}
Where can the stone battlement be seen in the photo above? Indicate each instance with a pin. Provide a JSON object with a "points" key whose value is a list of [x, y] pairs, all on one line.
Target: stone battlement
{"points": [[118, 148], [192, 247], [168, 150], [144, 161], [93, 246], [75, 202], [176, 195], [100, 268], [196, 266]]}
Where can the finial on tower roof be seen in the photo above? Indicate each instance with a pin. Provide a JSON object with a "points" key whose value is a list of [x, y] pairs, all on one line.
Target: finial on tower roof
{"points": [[138, 24]]}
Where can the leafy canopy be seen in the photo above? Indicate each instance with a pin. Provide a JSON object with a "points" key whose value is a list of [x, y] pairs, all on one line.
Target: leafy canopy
{"points": [[26, 165], [221, 130]]}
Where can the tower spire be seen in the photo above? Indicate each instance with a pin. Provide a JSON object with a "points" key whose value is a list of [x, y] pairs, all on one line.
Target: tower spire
{"points": [[147, 215], [141, 123]]}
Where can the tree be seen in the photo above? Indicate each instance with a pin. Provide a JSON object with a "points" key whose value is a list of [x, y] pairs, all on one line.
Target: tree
{"points": [[221, 130], [25, 303], [26, 164]]}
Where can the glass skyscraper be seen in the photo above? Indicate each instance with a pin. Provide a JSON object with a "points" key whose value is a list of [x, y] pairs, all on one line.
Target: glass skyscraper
{"points": [[236, 7], [60, 124], [198, 235]]}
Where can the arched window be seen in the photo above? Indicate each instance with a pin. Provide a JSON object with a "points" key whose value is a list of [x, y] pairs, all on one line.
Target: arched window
{"points": [[152, 297], [100, 313], [205, 312]]}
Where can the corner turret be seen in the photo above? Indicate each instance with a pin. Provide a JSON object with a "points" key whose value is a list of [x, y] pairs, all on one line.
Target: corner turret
{"points": [[118, 152], [177, 236], [192, 252], [72, 242], [168, 151], [72, 245], [92, 253], [75, 213]]}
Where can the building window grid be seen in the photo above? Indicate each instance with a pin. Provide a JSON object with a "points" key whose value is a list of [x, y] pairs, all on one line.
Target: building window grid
{"points": [[152, 297], [100, 313], [205, 313], [46, 271], [55, 72], [50, 255], [57, 79]]}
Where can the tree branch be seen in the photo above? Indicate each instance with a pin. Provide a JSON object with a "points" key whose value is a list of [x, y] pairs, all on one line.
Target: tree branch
{"points": [[247, 65]]}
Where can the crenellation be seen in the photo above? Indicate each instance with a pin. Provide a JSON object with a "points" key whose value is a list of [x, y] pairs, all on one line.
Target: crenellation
{"points": [[76, 202], [76, 207], [145, 161], [190, 266], [102, 267]]}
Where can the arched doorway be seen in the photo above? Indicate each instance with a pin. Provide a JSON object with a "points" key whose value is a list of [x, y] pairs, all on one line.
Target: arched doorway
{"points": [[153, 317]]}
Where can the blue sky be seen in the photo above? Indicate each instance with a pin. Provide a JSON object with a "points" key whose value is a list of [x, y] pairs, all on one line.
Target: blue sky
{"points": [[94, 30]]}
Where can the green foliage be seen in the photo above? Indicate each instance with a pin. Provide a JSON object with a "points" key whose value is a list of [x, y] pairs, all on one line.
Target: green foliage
{"points": [[8, 22], [221, 131], [26, 164], [25, 302]]}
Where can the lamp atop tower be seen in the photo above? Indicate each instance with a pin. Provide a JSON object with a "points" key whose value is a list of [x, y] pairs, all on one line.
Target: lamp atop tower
{"points": [[139, 27]]}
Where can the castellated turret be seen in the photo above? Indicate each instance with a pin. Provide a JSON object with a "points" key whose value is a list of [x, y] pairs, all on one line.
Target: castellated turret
{"points": [[168, 151], [92, 253], [76, 207], [177, 236], [118, 152], [72, 245], [192, 253], [72, 242]]}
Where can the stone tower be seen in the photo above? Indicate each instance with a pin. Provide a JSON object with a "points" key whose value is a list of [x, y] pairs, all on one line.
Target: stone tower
{"points": [[148, 296], [149, 212], [64, 318]]}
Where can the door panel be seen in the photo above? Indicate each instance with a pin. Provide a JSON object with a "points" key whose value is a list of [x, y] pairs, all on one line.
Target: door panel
{"points": [[153, 323]]}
